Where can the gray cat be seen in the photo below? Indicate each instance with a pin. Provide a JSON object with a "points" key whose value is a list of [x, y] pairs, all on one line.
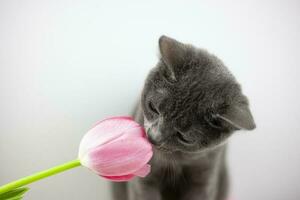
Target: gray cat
{"points": [[190, 105]]}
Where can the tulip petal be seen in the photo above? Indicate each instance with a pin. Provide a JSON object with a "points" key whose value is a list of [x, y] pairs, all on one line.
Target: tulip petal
{"points": [[120, 178], [105, 131], [144, 171], [120, 157], [114, 118], [117, 149]]}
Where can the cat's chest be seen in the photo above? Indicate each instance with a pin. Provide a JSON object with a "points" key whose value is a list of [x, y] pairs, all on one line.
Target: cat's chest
{"points": [[174, 180], [173, 174], [182, 169]]}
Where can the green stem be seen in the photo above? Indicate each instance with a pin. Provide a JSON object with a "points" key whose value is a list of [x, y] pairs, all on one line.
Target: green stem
{"points": [[40, 175]]}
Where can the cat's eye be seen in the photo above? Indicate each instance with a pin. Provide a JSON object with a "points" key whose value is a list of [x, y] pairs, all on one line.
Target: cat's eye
{"points": [[213, 121], [152, 108], [182, 138]]}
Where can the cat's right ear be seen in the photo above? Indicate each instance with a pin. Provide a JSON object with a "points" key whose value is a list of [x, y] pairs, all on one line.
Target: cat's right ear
{"points": [[239, 117], [172, 52]]}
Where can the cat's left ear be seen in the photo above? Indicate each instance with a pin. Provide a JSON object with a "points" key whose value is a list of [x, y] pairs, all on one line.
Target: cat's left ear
{"points": [[239, 117], [172, 52]]}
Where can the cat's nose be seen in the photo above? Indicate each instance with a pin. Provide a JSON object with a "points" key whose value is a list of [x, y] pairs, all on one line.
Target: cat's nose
{"points": [[154, 141], [154, 138]]}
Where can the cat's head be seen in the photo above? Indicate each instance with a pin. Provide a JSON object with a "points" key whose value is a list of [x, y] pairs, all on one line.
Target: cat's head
{"points": [[191, 101]]}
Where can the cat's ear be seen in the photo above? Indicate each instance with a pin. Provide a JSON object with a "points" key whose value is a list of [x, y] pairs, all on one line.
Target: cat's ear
{"points": [[172, 52], [239, 117]]}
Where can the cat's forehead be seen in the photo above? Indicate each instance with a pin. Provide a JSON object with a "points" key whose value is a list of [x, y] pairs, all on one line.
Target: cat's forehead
{"points": [[203, 87], [200, 75], [161, 91], [196, 72]]}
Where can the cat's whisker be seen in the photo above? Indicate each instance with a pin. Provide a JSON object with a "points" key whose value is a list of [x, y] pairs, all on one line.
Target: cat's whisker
{"points": [[174, 173]]}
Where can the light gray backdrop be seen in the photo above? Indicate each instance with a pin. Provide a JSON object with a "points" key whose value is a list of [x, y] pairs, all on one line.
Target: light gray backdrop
{"points": [[66, 64]]}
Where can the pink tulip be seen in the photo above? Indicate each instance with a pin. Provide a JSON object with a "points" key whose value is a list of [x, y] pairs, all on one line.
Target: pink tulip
{"points": [[117, 149]]}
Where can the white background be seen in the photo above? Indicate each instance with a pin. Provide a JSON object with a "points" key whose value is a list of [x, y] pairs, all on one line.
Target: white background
{"points": [[66, 64]]}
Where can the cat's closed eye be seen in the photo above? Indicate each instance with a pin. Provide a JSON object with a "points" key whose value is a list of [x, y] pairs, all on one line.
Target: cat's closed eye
{"points": [[183, 138], [213, 121], [152, 108]]}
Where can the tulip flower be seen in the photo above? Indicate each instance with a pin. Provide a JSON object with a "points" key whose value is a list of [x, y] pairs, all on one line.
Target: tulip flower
{"points": [[115, 148]]}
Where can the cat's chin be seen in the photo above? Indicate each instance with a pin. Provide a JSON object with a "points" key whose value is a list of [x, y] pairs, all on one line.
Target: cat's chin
{"points": [[166, 156], [171, 152], [185, 153], [163, 150]]}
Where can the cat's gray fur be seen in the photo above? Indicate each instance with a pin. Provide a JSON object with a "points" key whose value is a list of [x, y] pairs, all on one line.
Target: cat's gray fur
{"points": [[190, 105]]}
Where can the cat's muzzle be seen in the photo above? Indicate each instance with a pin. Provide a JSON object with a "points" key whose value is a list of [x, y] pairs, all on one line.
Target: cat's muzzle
{"points": [[154, 136]]}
